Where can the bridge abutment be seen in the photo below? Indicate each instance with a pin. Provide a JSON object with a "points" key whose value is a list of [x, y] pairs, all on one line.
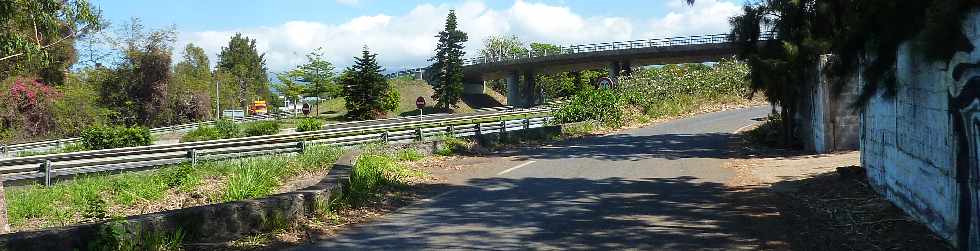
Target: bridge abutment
{"points": [[530, 89], [473, 85], [513, 88]]}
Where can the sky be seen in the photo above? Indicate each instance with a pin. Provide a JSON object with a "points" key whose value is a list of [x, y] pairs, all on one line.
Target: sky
{"points": [[402, 32]]}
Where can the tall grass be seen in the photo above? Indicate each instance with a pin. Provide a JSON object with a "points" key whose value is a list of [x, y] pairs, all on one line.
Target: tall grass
{"points": [[370, 174], [660, 92], [94, 197]]}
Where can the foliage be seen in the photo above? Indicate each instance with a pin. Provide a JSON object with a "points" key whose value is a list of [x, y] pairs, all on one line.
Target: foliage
{"points": [[768, 133], [291, 87], [30, 107], [861, 35], [202, 133], [38, 36], [408, 154], [371, 172], [391, 100], [107, 137], [89, 198], [658, 92], [309, 124], [365, 88], [448, 65], [602, 105], [190, 92], [243, 62], [319, 76], [499, 47], [259, 128], [78, 109], [452, 145], [228, 129]]}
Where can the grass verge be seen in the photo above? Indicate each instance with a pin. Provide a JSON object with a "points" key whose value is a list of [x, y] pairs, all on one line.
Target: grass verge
{"points": [[100, 197]]}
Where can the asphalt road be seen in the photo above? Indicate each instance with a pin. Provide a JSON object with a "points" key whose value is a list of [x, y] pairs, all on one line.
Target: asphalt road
{"points": [[655, 188]]}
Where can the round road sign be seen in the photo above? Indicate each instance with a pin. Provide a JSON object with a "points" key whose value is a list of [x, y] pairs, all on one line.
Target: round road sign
{"points": [[420, 102]]}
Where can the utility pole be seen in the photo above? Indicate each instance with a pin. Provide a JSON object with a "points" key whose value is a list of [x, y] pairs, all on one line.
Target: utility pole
{"points": [[217, 96]]}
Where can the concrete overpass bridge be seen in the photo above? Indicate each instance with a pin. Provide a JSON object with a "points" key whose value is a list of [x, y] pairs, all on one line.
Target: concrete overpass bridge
{"points": [[618, 58]]}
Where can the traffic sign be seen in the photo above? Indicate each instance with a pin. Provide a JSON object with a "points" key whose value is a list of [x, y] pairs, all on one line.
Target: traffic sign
{"points": [[420, 102], [605, 83]]}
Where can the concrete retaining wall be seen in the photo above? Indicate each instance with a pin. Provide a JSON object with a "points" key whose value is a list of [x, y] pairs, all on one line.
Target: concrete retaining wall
{"points": [[827, 121], [909, 142]]}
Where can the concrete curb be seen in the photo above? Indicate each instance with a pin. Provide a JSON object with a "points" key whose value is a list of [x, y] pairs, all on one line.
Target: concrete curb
{"points": [[201, 224]]}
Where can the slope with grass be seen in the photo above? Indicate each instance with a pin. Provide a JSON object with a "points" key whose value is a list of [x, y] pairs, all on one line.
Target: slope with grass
{"points": [[410, 89]]}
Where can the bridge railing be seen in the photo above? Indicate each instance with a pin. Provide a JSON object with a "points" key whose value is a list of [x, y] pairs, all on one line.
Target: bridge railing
{"points": [[597, 47], [52, 166]]}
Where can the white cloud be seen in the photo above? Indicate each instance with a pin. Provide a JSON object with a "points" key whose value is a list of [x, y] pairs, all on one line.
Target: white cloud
{"points": [[407, 40], [705, 17]]}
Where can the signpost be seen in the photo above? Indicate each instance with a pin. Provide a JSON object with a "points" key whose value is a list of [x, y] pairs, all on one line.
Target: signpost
{"points": [[306, 109], [605, 83], [420, 103]]}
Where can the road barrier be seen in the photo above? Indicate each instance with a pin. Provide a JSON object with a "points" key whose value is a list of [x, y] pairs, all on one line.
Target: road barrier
{"points": [[50, 167]]}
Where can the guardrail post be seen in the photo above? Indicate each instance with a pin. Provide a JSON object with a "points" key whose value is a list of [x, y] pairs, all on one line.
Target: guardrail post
{"points": [[3, 151], [192, 156], [479, 129], [384, 137], [503, 127], [419, 135], [302, 146], [46, 167], [452, 130]]}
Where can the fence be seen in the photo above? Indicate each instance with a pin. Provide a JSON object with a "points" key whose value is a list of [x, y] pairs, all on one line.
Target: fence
{"points": [[49, 167], [6, 149]]}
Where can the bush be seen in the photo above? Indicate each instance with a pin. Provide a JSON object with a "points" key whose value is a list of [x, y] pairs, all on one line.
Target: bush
{"points": [[202, 133], [260, 128], [605, 106], [409, 154], [309, 124], [371, 172], [391, 100], [228, 129], [452, 145], [96, 138]]}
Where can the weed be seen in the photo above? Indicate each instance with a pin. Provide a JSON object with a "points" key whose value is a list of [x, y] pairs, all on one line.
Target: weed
{"points": [[371, 172], [452, 145], [408, 154], [309, 124], [259, 128]]}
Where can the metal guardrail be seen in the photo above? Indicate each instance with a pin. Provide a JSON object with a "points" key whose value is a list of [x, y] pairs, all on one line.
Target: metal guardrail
{"points": [[6, 149], [49, 167], [597, 47]]}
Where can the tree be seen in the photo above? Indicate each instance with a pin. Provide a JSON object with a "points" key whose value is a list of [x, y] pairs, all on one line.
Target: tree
{"points": [[448, 66], [499, 47], [33, 28], [190, 92], [244, 62], [365, 88], [290, 86], [319, 76]]}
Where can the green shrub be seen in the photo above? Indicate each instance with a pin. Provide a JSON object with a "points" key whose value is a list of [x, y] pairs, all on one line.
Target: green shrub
{"points": [[452, 145], [309, 124], [603, 105], [391, 100], [371, 172], [96, 138], [202, 133], [228, 129], [408, 154], [260, 128]]}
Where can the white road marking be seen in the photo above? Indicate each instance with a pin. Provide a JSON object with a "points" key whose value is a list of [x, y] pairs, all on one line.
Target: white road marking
{"points": [[515, 168]]}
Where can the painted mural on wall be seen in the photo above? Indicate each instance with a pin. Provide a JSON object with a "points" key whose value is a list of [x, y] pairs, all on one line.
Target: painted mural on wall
{"points": [[965, 109]]}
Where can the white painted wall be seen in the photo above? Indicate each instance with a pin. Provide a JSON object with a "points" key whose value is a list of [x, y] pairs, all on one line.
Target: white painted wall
{"points": [[907, 142]]}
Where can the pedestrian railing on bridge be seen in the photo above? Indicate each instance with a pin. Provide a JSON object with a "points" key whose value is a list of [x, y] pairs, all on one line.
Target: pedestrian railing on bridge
{"points": [[587, 48], [49, 167]]}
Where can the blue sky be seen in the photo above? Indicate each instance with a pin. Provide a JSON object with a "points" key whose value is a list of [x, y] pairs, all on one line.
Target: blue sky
{"points": [[401, 32]]}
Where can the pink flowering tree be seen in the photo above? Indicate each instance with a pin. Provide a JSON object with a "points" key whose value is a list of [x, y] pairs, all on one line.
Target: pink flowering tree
{"points": [[29, 107]]}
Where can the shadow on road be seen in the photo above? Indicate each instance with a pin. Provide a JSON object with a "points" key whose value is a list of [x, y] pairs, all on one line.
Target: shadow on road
{"points": [[532, 213], [625, 147]]}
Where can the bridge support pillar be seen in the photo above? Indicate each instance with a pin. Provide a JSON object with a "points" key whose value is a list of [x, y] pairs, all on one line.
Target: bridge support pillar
{"points": [[614, 69], [473, 85], [513, 89], [626, 67], [530, 89]]}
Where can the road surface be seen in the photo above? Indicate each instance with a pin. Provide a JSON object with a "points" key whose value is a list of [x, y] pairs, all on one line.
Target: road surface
{"points": [[654, 188]]}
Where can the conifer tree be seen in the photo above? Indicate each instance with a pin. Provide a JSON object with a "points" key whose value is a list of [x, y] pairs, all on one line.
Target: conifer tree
{"points": [[364, 87], [448, 64]]}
